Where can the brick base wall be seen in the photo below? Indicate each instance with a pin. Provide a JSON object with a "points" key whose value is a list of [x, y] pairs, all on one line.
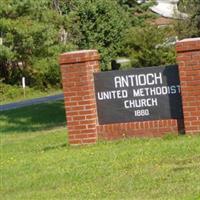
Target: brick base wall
{"points": [[139, 129]]}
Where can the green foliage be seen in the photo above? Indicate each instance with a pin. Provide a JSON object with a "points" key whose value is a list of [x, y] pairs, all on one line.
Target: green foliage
{"points": [[46, 75], [34, 33], [147, 46], [31, 32], [101, 24], [129, 3], [189, 27], [10, 93], [139, 13], [6, 53]]}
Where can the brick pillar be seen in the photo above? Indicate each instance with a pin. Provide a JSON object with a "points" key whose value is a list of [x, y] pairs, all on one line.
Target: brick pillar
{"points": [[188, 58], [77, 70]]}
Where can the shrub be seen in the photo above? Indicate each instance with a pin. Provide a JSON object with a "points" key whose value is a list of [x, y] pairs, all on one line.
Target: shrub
{"points": [[101, 25], [146, 46]]}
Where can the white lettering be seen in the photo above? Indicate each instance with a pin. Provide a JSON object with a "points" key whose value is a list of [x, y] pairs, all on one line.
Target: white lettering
{"points": [[138, 103], [158, 78], [115, 94], [138, 80], [142, 79], [150, 79], [117, 81]]}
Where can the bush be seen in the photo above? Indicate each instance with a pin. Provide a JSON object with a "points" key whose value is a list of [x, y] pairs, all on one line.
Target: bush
{"points": [[8, 92], [45, 73], [31, 32], [146, 46], [101, 25], [189, 27]]}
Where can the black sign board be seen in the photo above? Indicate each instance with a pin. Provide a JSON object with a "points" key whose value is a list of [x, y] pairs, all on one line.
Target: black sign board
{"points": [[138, 94]]}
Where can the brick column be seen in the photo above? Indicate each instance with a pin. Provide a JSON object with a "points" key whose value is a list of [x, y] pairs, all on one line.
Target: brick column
{"points": [[77, 70], [188, 58]]}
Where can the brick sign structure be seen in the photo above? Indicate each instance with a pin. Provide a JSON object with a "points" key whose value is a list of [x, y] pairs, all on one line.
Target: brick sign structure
{"points": [[85, 125]]}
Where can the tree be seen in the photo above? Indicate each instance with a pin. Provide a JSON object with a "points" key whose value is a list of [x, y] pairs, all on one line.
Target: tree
{"points": [[147, 46], [101, 25], [34, 33], [195, 16], [31, 34], [189, 27]]}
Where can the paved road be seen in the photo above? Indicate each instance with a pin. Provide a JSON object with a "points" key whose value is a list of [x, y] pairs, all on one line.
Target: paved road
{"points": [[31, 102]]}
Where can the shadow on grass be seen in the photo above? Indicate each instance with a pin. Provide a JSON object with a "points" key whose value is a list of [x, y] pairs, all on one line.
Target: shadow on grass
{"points": [[48, 148], [33, 118]]}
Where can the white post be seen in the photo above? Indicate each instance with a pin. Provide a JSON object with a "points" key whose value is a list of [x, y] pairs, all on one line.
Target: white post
{"points": [[24, 86], [1, 41]]}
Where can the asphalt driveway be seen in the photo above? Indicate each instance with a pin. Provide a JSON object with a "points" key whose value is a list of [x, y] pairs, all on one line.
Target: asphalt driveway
{"points": [[31, 102]]}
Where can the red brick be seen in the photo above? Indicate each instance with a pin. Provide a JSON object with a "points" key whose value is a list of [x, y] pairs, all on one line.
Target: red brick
{"points": [[189, 69], [73, 131], [79, 118], [85, 102], [89, 141], [87, 112], [73, 123], [197, 122], [75, 142], [87, 122], [80, 136], [89, 131], [77, 70], [91, 117]]}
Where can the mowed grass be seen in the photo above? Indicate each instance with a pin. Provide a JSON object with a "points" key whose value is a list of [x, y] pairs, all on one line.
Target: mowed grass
{"points": [[13, 93], [37, 163]]}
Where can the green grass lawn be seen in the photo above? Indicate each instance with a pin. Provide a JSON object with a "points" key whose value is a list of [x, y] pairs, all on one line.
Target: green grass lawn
{"points": [[9, 94], [37, 163]]}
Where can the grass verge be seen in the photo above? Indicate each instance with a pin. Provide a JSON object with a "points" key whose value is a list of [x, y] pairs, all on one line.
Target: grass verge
{"points": [[10, 93], [37, 163]]}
